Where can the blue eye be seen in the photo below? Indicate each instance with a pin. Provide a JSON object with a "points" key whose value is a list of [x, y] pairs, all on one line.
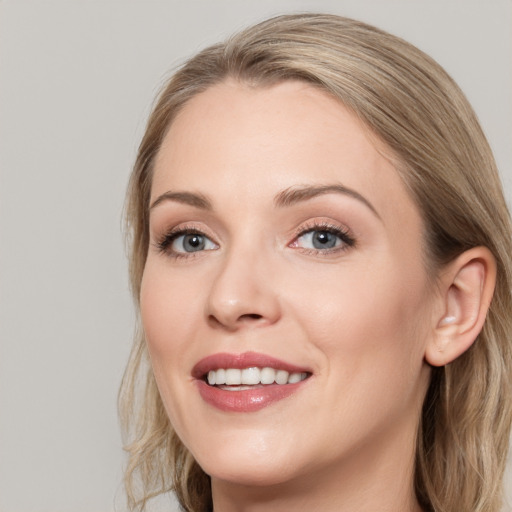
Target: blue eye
{"points": [[191, 242], [184, 242], [320, 240], [323, 239]]}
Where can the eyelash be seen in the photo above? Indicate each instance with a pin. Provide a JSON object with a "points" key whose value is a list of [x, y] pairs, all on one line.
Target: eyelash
{"points": [[347, 240], [164, 243]]}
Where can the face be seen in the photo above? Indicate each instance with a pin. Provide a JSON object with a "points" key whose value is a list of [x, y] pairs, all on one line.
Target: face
{"points": [[285, 266]]}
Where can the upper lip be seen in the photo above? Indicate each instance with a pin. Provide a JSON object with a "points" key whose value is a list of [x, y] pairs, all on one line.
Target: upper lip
{"points": [[241, 361]]}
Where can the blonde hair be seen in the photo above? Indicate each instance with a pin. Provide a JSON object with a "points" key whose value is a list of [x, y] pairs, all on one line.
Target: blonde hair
{"points": [[439, 150]]}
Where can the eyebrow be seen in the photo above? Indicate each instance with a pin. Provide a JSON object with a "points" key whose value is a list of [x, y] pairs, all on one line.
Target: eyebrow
{"points": [[189, 198], [294, 195], [283, 199]]}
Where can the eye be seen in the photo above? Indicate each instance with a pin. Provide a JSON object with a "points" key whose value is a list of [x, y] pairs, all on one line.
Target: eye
{"points": [[323, 239], [183, 242], [192, 242], [319, 240]]}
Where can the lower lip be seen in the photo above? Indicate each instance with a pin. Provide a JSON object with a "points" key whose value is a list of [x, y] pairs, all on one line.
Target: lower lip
{"points": [[247, 400]]}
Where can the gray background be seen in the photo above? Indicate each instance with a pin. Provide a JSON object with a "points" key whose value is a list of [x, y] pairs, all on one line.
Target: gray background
{"points": [[77, 79]]}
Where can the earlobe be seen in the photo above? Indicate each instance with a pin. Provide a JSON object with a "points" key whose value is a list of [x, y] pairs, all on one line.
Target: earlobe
{"points": [[467, 286]]}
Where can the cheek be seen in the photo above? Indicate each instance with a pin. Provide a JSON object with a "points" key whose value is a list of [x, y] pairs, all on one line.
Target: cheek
{"points": [[169, 320], [169, 309], [376, 318], [372, 336]]}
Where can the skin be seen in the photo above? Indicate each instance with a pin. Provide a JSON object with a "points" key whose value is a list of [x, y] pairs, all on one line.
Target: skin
{"points": [[359, 317]]}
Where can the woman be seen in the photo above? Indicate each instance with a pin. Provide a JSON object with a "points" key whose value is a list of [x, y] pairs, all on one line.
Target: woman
{"points": [[321, 256]]}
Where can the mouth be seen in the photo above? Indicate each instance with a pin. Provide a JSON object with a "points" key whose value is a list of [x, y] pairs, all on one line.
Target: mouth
{"points": [[235, 379], [246, 382]]}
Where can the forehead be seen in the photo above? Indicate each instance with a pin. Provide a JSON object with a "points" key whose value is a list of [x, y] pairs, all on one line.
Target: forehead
{"points": [[255, 141]]}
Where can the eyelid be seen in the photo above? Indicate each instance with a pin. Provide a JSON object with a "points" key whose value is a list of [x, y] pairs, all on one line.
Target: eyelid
{"points": [[338, 229], [321, 225], [164, 241]]}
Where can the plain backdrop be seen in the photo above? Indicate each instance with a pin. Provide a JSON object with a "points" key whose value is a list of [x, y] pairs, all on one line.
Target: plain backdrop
{"points": [[77, 79]]}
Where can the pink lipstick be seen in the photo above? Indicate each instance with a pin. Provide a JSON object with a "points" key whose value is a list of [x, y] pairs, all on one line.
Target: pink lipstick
{"points": [[246, 382]]}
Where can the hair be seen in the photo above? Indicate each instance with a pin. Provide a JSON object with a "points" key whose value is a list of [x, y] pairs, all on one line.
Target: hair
{"points": [[438, 148]]}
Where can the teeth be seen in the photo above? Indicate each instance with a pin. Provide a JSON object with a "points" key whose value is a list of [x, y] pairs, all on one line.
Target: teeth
{"points": [[233, 377], [252, 376], [282, 377], [220, 377], [268, 375], [295, 377]]}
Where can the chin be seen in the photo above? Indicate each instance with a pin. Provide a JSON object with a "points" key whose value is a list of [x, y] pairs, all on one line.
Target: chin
{"points": [[249, 464], [248, 474]]}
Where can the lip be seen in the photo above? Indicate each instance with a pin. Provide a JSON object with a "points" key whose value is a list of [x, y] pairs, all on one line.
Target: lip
{"points": [[248, 400], [241, 361]]}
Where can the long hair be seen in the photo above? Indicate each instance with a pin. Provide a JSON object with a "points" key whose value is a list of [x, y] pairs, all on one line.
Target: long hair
{"points": [[439, 150]]}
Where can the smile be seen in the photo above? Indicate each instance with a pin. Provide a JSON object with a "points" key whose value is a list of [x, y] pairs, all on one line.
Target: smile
{"points": [[246, 382], [241, 378]]}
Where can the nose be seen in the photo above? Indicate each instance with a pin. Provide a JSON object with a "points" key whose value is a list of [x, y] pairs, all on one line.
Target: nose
{"points": [[243, 294]]}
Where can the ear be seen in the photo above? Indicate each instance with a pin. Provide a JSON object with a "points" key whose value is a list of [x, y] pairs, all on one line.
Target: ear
{"points": [[466, 289]]}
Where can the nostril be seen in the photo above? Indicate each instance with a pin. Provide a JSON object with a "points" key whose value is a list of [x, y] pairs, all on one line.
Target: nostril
{"points": [[250, 316], [235, 322]]}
